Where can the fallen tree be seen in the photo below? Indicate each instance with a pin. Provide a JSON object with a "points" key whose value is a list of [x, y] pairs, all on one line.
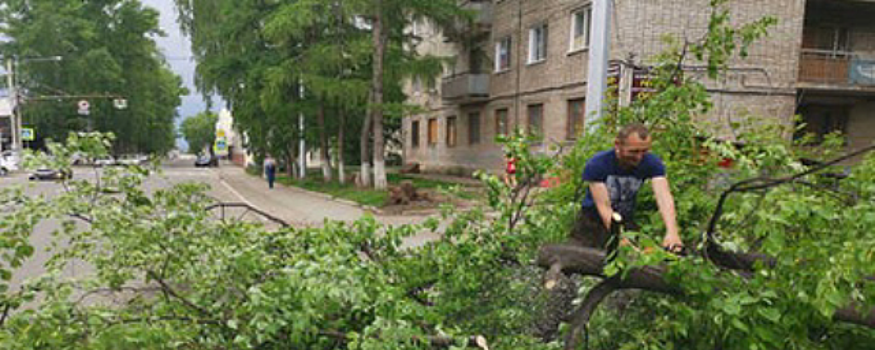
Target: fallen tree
{"points": [[570, 259]]}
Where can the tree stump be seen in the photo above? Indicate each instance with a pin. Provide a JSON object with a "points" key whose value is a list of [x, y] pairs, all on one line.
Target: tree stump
{"points": [[409, 190], [402, 194]]}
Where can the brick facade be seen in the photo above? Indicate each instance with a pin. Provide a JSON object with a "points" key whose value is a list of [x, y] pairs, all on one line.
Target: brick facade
{"points": [[764, 84]]}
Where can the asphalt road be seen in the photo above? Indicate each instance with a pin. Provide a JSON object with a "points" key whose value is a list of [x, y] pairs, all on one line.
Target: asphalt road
{"points": [[228, 183]]}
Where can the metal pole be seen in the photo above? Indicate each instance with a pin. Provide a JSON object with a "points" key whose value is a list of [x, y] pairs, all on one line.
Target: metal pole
{"points": [[599, 51]]}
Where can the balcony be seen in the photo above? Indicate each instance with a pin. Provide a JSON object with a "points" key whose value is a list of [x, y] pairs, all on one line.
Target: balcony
{"points": [[482, 10], [465, 87], [836, 69], [481, 22]]}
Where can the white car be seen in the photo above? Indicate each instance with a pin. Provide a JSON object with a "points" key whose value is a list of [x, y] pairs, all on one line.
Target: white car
{"points": [[8, 162], [108, 161], [133, 160]]}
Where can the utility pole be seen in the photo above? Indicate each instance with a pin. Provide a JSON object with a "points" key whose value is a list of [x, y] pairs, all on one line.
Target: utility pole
{"points": [[599, 51], [16, 124], [14, 121]]}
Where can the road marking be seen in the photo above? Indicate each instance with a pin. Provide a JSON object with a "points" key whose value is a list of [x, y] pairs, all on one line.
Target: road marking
{"points": [[233, 191]]}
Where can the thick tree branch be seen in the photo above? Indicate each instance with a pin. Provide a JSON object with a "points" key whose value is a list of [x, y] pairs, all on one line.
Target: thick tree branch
{"points": [[590, 262], [571, 259]]}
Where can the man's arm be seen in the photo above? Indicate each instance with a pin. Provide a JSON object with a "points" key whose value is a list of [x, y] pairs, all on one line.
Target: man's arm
{"points": [[665, 201], [602, 202]]}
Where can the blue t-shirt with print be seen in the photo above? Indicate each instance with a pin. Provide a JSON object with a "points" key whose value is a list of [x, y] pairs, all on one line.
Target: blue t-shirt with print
{"points": [[623, 184]]}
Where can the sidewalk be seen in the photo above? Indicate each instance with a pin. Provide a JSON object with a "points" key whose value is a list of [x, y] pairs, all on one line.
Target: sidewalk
{"points": [[296, 206]]}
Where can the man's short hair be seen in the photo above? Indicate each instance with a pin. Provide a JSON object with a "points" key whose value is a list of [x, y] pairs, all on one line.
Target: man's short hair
{"points": [[634, 128]]}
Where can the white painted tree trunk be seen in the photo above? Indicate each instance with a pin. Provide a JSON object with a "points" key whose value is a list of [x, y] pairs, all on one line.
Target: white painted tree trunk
{"points": [[379, 37]]}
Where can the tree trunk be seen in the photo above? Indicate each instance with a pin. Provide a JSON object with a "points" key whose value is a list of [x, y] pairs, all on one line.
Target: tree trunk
{"points": [[341, 170], [291, 158], [380, 37], [323, 144], [365, 172], [290, 167]]}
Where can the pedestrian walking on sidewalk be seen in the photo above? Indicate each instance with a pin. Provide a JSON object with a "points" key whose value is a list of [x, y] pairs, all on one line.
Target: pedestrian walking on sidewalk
{"points": [[270, 171]]}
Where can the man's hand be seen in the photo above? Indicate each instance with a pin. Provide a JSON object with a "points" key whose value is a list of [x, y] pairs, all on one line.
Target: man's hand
{"points": [[673, 243]]}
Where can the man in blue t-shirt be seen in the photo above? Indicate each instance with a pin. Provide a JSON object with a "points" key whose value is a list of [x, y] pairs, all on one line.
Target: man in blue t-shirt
{"points": [[614, 178]]}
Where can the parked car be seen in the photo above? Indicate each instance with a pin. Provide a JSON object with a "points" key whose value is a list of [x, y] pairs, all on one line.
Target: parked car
{"points": [[108, 161], [206, 161], [8, 162], [50, 174], [133, 160]]}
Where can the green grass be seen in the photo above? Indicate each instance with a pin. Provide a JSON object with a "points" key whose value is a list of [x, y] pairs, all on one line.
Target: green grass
{"points": [[334, 188], [371, 197]]}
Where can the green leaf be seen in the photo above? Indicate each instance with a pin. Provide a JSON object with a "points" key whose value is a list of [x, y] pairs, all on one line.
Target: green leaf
{"points": [[770, 313], [731, 308], [740, 325]]}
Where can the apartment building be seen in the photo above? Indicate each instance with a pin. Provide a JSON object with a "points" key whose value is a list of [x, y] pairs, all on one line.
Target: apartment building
{"points": [[524, 64]]}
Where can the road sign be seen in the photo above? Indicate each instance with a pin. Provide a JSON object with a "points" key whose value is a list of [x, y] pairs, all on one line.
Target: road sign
{"points": [[220, 133], [120, 103], [221, 145], [84, 107], [27, 134]]}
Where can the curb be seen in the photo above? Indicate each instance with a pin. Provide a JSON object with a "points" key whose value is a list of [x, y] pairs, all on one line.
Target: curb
{"points": [[367, 208]]}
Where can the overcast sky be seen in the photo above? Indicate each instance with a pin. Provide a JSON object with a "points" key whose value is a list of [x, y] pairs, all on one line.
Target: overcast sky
{"points": [[177, 50]]}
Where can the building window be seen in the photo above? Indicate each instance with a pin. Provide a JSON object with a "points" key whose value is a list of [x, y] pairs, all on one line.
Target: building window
{"points": [[414, 134], [576, 114], [416, 85], [502, 55], [432, 132], [451, 131], [473, 128], [536, 119], [501, 121], [538, 43], [580, 21]]}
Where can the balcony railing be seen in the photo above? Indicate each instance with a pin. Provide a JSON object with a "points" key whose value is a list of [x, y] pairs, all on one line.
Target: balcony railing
{"points": [[465, 87], [836, 68]]}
